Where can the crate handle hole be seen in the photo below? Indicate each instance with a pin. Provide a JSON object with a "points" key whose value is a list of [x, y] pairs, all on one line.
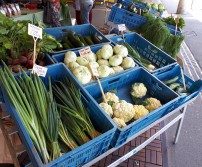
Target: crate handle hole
{"points": [[114, 81], [152, 49], [159, 86]]}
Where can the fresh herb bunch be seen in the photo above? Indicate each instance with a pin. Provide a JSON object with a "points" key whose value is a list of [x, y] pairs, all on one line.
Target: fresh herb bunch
{"points": [[171, 20], [172, 44]]}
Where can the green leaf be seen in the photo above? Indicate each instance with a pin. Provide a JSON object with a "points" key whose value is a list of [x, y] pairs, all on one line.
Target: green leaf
{"points": [[3, 30], [7, 44]]}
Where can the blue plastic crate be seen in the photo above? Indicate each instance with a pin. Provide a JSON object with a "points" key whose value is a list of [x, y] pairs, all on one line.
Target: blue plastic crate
{"points": [[160, 59], [60, 58], [126, 4], [193, 87], [84, 30], [48, 61], [122, 16], [123, 83], [172, 29], [82, 154]]}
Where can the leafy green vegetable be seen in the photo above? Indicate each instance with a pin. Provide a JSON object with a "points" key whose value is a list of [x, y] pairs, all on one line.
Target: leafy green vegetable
{"points": [[172, 44]]}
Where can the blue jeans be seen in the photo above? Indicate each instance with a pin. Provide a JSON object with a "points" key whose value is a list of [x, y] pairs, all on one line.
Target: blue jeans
{"points": [[85, 8]]}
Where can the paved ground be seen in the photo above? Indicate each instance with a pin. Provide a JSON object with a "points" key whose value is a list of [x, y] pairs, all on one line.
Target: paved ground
{"points": [[150, 156]]}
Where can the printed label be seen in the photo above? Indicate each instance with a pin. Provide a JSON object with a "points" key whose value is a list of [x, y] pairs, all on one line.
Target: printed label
{"points": [[39, 70], [121, 27], [85, 51], [34, 31], [94, 69]]}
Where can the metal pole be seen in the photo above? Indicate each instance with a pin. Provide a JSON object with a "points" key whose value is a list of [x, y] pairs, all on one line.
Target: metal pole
{"points": [[178, 130]]}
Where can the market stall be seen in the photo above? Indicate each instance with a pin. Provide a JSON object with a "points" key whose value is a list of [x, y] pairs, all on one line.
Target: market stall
{"points": [[98, 93]]}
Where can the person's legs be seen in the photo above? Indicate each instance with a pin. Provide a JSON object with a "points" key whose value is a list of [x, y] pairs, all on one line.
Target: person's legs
{"points": [[55, 19], [78, 19], [90, 16], [85, 10]]}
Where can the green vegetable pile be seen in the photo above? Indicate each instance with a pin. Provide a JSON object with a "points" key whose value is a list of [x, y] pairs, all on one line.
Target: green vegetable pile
{"points": [[171, 20], [16, 46], [134, 53], [174, 84], [71, 40], [56, 120], [156, 31]]}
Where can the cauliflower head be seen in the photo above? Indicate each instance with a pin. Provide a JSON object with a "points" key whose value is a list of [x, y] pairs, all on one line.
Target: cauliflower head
{"points": [[115, 60], [128, 63], [103, 71], [107, 108], [119, 122], [140, 111], [138, 90], [120, 50], [111, 97], [70, 57], [83, 74], [118, 69], [151, 104], [106, 51], [123, 110]]}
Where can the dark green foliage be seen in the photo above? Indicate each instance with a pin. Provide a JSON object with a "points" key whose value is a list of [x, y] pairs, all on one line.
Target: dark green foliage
{"points": [[172, 44]]}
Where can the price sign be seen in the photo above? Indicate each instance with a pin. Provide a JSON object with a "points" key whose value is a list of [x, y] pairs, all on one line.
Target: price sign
{"points": [[157, 14], [180, 61], [176, 20], [34, 31], [121, 27], [85, 51], [93, 68], [39, 70]]}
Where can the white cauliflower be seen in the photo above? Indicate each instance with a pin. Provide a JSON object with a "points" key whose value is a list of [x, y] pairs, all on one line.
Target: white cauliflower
{"points": [[152, 104], [128, 63], [115, 60], [103, 62], [120, 50], [119, 122], [118, 69], [82, 74], [138, 90], [82, 60], [103, 71], [69, 57], [140, 111], [107, 108], [123, 110], [111, 97], [106, 51]]}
